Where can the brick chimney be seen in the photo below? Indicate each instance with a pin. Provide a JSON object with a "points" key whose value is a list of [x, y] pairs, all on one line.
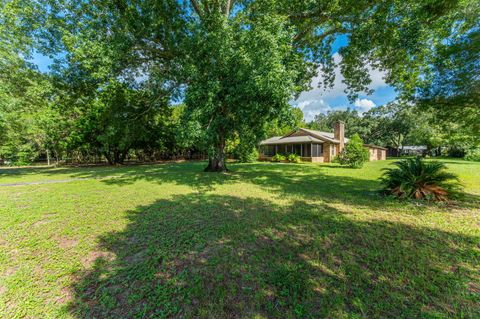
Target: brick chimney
{"points": [[339, 134]]}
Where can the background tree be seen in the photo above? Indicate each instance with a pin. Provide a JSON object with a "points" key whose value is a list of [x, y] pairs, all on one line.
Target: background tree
{"points": [[354, 124], [236, 64], [290, 120], [390, 124]]}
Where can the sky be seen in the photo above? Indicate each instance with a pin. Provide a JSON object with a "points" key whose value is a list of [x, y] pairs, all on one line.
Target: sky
{"points": [[317, 100]]}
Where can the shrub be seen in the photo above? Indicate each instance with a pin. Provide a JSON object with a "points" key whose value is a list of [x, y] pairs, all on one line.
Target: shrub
{"points": [[415, 178], [473, 155], [246, 154], [354, 154], [294, 158], [278, 158], [456, 151]]}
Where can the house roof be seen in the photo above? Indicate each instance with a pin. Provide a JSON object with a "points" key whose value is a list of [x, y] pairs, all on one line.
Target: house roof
{"points": [[290, 139], [313, 136], [328, 136], [374, 146]]}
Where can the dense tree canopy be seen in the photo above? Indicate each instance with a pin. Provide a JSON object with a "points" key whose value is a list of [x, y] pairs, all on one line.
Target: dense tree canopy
{"points": [[235, 64]]}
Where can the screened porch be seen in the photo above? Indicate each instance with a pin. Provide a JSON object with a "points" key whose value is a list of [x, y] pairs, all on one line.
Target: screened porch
{"points": [[306, 150]]}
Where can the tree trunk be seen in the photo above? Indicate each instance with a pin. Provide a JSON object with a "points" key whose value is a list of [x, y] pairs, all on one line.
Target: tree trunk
{"points": [[122, 156], [117, 157], [399, 147], [216, 161], [48, 157], [109, 158]]}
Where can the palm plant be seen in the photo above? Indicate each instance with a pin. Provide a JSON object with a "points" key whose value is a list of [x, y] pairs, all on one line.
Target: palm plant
{"points": [[415, 178]]}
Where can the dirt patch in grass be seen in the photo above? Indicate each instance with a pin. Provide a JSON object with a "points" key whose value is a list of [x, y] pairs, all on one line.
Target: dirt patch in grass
{"points": [[46, 218], [66, 242], [474, 288], [65, 297], [10, 271], [96, 256]]}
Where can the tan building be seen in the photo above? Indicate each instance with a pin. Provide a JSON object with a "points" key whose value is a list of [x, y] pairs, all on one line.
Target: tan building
{"points": [[314, 146]]}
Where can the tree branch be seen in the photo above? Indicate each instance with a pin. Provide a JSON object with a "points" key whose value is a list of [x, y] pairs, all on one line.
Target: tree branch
{"points": [[305, 15], [228, 7], [205, 4], [319, 37], [196, 7]]}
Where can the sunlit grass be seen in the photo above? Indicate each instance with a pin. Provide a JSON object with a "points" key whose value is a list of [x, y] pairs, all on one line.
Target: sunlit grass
{"points": [[265, 240]]}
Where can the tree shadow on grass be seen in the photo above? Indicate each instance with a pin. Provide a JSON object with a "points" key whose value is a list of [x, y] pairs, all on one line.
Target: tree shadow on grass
{"points": [[211, 256], [308, 182]]}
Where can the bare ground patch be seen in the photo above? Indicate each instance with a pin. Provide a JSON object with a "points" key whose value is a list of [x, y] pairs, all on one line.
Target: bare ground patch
{"points": [[66, 242], [93, 256]]}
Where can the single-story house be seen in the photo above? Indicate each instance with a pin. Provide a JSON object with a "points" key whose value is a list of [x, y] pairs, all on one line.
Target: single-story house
{"points": [[314, 146]]}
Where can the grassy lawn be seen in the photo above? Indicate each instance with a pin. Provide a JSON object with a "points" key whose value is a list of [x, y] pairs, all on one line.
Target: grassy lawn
{"points": [[263, 241]]}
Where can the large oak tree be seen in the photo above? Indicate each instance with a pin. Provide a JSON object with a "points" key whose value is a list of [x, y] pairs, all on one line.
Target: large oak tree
{"points": [[237, 63]]}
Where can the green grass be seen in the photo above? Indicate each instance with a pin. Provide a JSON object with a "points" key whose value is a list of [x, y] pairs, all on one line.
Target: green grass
{"points": [[263, 241]]}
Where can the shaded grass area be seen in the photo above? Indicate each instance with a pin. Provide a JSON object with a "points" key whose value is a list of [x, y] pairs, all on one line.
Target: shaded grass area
{"points": [[265, 241]]}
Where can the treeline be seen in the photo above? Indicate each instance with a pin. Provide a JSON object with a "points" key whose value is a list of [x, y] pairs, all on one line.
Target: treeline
{"points": [[67, 117], [397, 124], [47, 119], [118, 68]]}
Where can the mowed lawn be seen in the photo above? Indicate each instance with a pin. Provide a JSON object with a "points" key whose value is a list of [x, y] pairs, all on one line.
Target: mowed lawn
{"points": [[263, 241]]}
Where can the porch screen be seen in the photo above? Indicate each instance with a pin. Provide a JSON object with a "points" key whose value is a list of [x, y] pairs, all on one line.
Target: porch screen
{"points": [[269, 150], [317, 150], [306, 150], [297, 149]]}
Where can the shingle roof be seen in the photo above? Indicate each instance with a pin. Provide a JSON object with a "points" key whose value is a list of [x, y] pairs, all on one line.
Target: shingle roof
{"points": [[290, 139], [326, 135], [374, 146], [313, 136]]}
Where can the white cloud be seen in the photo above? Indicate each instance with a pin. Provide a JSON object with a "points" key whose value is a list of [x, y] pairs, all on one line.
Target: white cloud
{"points": [[363, 105], [318, 99], [313, 107]]}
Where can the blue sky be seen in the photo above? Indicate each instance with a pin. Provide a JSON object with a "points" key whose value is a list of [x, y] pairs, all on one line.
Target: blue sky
{"points": [[319, 100], [316, 100], [42, 61]]}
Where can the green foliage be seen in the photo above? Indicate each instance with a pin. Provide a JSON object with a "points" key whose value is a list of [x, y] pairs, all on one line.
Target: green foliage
{"points": [[288, 121], [245, 153], [294, 158], [452, 86], [354, 123], [391, 124], [418, 179], [354, 154], [279, 158], [235, 64], [473, 155]]}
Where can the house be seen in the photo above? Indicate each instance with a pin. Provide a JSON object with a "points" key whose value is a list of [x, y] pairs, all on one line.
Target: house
{"points": [[314, 146]]}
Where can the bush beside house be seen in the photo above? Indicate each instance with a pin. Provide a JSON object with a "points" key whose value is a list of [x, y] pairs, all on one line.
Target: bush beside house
{"points": [[354, 154], [291, 158]]}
